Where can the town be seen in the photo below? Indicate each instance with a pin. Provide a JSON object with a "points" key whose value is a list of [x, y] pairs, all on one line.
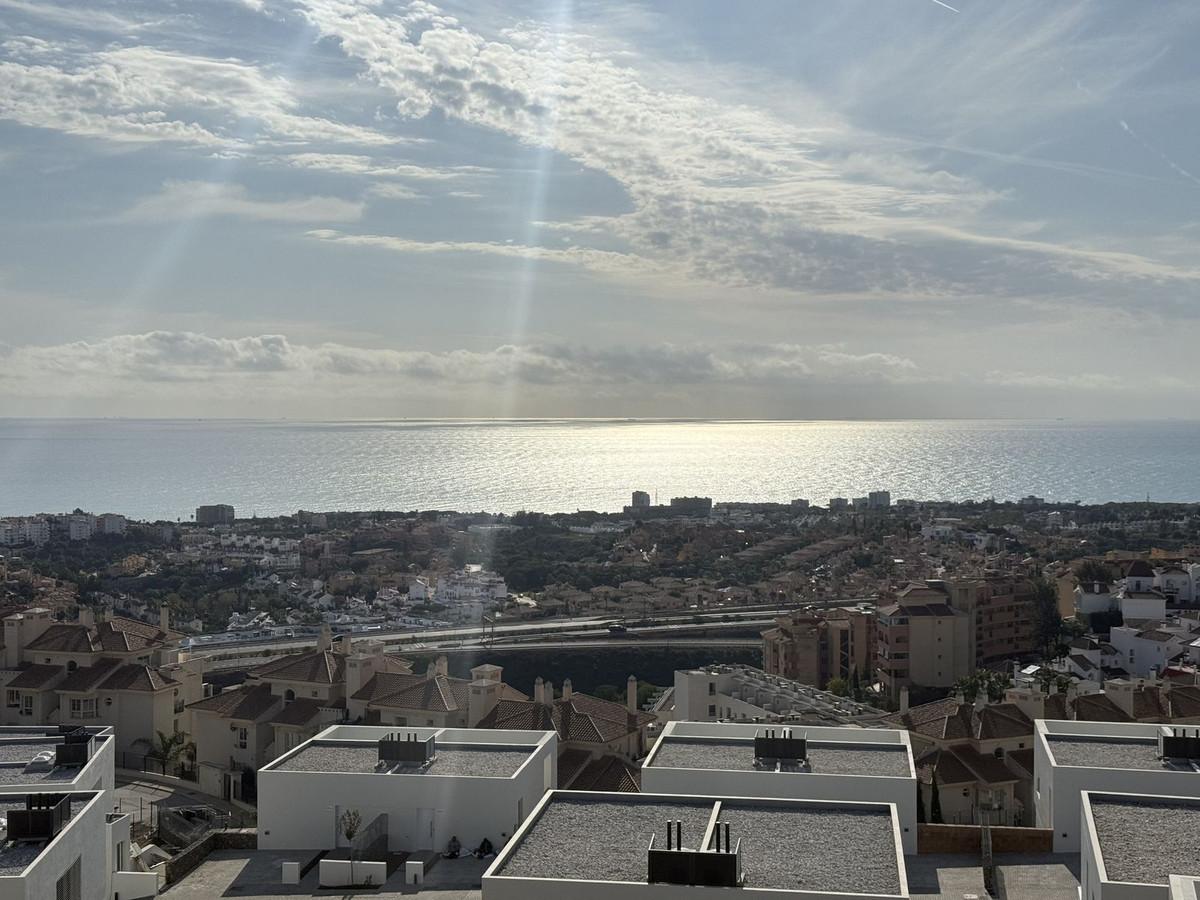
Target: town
{"points": [[1005, 685]]}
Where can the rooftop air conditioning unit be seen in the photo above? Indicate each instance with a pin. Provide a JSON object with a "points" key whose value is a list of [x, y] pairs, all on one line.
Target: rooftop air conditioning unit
{"points": [[75, 752], [406, 751], [780, 745], [1179, 745], [676, 864], [42, 818]]}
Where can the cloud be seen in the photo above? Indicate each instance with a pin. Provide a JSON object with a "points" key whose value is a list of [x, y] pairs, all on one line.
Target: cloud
{"points": [[167, 356], [141, 93], [201, 199], [741, 196]]}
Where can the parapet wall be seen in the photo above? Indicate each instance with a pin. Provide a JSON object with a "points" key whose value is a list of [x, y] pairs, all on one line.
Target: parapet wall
{"points": [[969, 839]]}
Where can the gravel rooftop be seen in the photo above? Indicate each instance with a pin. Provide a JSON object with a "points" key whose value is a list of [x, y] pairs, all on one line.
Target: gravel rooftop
{"points": [[815, 850], [782, 849], [15, 774], [24, 751], [1144, 841], [827, 758], [601, 840], [461, 760], [1106, 754], [14, 857]]}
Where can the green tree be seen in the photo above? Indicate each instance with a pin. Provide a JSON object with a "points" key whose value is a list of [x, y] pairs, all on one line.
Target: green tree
{"points": [[1091, 570], [170, 749], [1047, 622], [855, 684], [838, 686], [350, 822], [935, 803]]}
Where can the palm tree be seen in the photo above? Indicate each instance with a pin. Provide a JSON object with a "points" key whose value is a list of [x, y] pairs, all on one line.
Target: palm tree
{"points": [[169, 749]]}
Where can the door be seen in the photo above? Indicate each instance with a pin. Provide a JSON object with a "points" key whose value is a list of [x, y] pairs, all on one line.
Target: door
{"points": [[425, 829]]}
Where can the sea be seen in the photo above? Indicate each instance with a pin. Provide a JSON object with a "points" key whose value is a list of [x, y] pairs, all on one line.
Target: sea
{"points": [[163, 469]]}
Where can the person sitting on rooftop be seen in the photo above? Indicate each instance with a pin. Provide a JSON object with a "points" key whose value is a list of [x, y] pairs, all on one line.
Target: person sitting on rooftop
{"points": [[453, 849], [484, 849]]}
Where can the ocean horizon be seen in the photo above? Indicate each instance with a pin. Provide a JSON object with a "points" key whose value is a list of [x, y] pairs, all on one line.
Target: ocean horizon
{"points": [[164, 468]]}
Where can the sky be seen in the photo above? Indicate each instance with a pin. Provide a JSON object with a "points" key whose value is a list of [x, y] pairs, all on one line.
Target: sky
{"points": [[371, 208]]}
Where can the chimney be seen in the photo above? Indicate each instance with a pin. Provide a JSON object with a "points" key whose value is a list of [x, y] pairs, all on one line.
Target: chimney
{"points": [[87, 617], [903, 699], [164, 617], [538, 694], [345, 645], [959, 697], [566, 694], [631, 703], [440, 666], [485, 694], [981, 700], [325, 638], [548, 693]]}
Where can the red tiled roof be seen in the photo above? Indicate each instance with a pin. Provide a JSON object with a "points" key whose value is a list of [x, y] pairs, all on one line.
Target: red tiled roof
{"points": [[317, 667], [137, 677], [582, 718], [298, 712], [609, 773], [86, 678], [244, 703], [35, 676], [570, 763]]}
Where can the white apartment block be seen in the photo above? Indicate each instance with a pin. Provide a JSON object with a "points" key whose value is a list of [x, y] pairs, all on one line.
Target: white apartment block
{"points": [[599, 846], [1072, 756], [111, 523], [861, 765], [59, 838], [1139, 847], [737, 693], [1147, 649], [15, 532], [430, 783]]}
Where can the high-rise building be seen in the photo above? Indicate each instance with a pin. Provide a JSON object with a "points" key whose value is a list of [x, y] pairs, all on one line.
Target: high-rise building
{"points": [[837, 504], [217, 514], [641, 499], [879, 499]]}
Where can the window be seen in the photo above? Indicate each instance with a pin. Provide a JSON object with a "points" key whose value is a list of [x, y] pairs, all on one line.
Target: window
{"points": [[712, 689], [288, 696], [242, 738], [712, 711], [12, 699], [27, 704], [68, 885], [83, 707], [72, 665]]}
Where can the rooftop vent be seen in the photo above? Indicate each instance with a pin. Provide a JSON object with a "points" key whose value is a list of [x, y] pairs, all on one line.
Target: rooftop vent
{"points": [[76, 751], [42, 818], [408, 750], [43, 762], [1179, 745], [781, 745], [676, 864]]}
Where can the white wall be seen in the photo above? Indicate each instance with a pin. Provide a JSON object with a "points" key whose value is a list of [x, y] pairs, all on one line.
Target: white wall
{"points": [[864, 788], [85, 838], [1057, 789], [299, 810]]}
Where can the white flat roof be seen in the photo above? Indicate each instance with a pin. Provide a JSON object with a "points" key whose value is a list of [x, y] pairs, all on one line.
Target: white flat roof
{"points": [[1143, 839], [786, 845]]}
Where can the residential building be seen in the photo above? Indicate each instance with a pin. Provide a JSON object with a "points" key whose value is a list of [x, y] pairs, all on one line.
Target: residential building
{"points": [[879, 499], [428, 783], [1150, 647], [1072, 757], [118, 671], [111, 523], [597, 846], [981, 755], [741, 693], [838, 504], [846, 764], [1139, 847], [599, 741], [815, 646], [216, 514], [31, 759], [24, 530], [434, 699], [279, 706], [937, 632], [640, 500]]}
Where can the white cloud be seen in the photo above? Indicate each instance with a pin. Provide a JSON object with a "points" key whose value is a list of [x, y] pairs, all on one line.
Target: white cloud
{"points": [[199, 199]]}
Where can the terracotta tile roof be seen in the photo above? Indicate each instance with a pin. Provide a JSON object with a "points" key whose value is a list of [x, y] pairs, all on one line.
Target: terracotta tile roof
{"points": [[1023, 759], [950, 769], [298, 712], [570, 763], [950, 720], [244, 703], [1184, 701], [609, 773], [987, 769], [316, 667], [1099, 708], [583, 718], [399, 691], [117, 635], [36, 676], [1056, 707], [136, 677], [86, 678]]}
